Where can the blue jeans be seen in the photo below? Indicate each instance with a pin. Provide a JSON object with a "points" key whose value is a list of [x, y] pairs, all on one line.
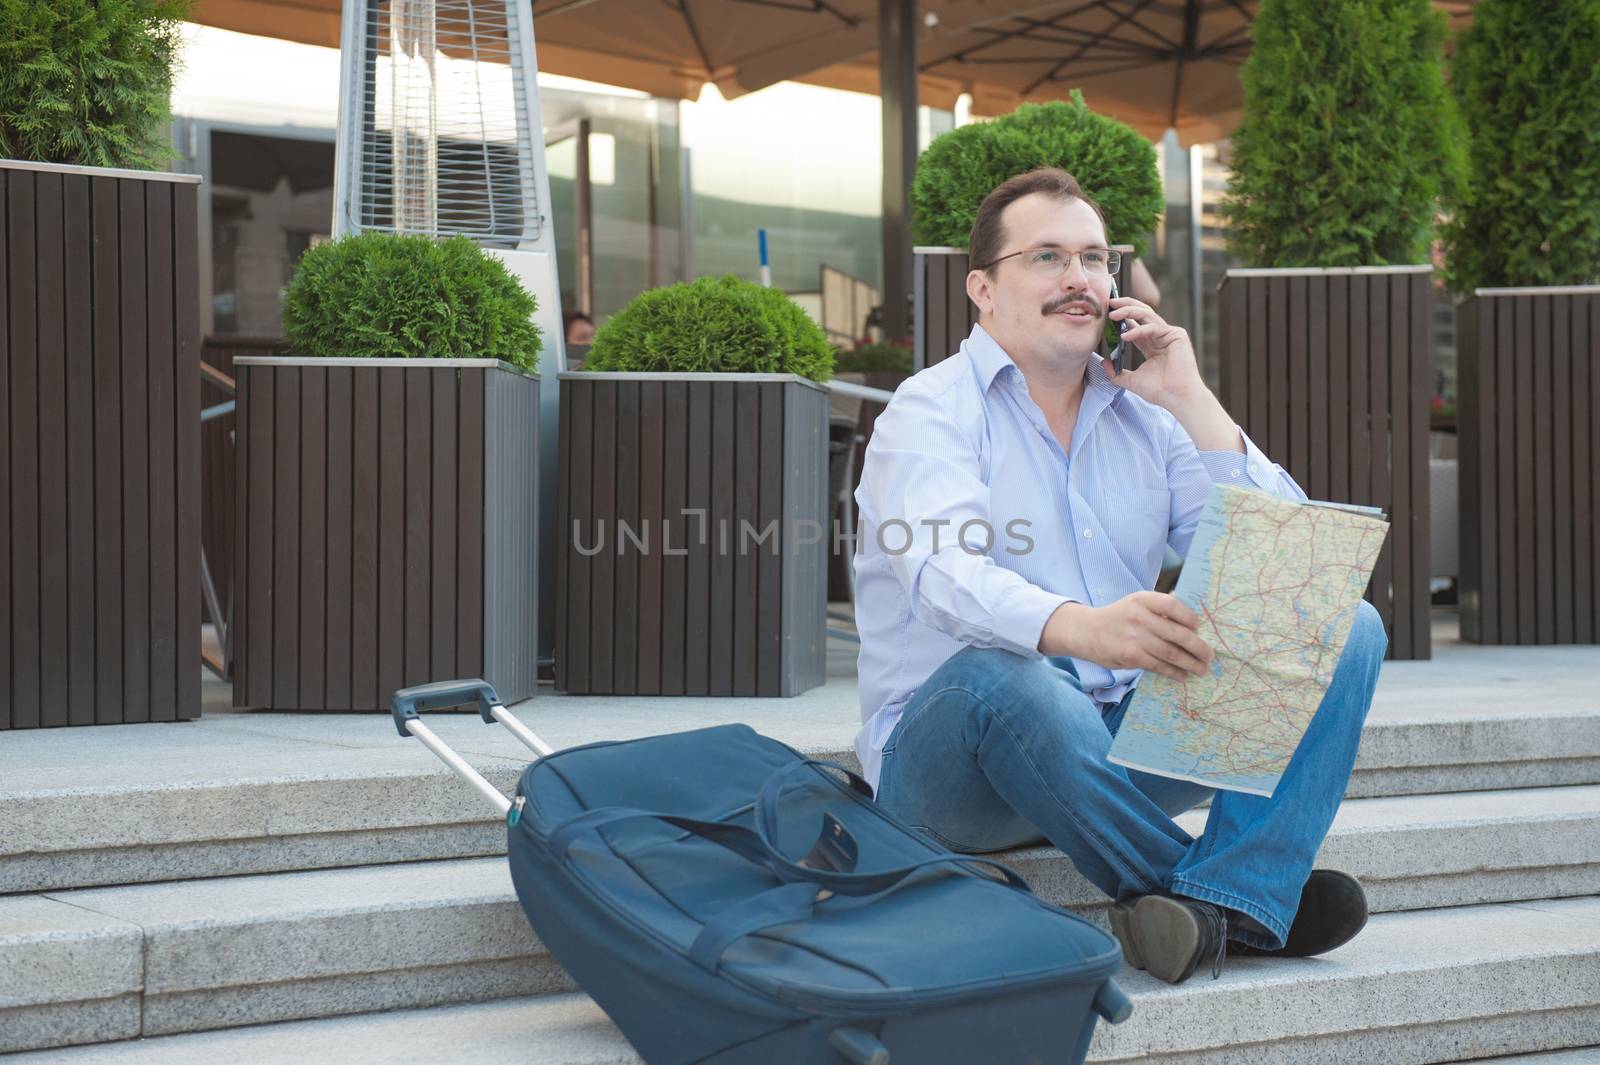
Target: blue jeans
{"points": [[995, 750]]}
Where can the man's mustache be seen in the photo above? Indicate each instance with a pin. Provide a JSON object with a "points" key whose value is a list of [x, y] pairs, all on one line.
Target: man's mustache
{"points": [[1072, 297]]}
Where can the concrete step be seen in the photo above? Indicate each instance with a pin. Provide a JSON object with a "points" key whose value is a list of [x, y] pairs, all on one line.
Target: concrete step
{"points": [[246, 792], [222, 952], [1438, 986]]}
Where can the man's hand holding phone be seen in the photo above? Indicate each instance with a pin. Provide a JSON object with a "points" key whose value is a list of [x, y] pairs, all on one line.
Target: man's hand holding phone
{"points": [[1145, 630]]}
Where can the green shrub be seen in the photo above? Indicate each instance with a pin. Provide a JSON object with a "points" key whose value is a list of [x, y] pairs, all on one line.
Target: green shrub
{"points": [[1113, 164], [377, 295], [1527, 78], [1349, 137], [713, 325], [882, 357], [87, 82]]}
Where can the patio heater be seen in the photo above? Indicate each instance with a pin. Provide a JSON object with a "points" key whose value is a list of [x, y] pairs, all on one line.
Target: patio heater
{"points": [[440, 134]]}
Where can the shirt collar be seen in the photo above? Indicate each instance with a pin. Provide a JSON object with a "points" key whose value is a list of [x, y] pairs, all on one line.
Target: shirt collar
{"points": [[989, 359]]}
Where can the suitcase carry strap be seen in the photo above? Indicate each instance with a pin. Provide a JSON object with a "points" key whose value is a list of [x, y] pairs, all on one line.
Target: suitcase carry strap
{"points": [[736, 838], [852, 883]]}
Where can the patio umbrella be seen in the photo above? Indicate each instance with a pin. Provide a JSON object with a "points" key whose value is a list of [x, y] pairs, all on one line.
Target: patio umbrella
{"points": [[1150, 63], [1154, 64]]}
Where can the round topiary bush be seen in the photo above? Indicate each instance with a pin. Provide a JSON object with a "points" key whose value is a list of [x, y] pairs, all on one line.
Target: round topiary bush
{"points": [[378, 295], [1349, 137], [1528, 82], [713, 325], [88, 82], [1112, 162]]}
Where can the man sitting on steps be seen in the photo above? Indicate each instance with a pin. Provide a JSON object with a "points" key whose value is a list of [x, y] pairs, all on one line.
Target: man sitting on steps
{"points": [[1016, 504]]}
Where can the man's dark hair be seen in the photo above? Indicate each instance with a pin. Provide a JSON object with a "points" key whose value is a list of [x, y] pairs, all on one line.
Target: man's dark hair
{"points": [[988, 231]]}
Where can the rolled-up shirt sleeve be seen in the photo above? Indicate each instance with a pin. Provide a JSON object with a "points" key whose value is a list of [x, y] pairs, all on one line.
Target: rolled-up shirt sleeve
{"points": [[1191, 473], [925, 508]]}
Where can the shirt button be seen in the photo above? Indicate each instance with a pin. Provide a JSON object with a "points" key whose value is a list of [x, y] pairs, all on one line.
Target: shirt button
{"points": [[1088, 534], [1235, 473], [1256, 470]]}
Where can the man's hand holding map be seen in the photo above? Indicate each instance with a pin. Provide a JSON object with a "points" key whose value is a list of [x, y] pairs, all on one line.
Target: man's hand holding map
{"points": [[1276, 584]]}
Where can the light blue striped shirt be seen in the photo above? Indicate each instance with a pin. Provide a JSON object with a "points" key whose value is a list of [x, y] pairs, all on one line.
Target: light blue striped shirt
{"points": [[963, 455]]}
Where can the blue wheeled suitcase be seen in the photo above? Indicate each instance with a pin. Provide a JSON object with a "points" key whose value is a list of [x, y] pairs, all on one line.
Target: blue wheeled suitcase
{"points": [[727, 901]]}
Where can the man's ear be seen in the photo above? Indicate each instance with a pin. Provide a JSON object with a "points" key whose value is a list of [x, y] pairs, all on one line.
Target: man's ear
{"points": [[980, 292]]}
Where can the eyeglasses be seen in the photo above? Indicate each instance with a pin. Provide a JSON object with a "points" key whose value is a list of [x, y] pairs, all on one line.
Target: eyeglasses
{"points": [[1054, 262]]}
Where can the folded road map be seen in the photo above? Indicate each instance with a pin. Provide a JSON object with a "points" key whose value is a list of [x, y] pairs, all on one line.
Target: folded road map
{"points": [[1276, 584]]}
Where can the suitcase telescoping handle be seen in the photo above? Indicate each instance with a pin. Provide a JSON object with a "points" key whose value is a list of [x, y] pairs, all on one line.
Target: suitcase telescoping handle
{"points": [[408, 704]]}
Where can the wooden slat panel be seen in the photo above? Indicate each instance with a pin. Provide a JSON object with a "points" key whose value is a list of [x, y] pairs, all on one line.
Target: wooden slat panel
{"points": [[1396, 463], [1591, 415], [369, 625], [1562, 491], [391, 577], [697, 585], [1469, 412], [1480, 531], [6, 649], [1318, 442], [958, 316], [1257, 347], [163, 649], [186, 340], [1276, 359], [1416, 453], [652, 402], [577, 429], [418, 527], [49, 520], [471, 645], [1583, 470], [1297, 457], [563, 544], [625, 609], [1230, 312], [285, 458], [603, 565], [313, 593], [722, 475], [674, 560], [1505, 452], [769, 610], [1339, 385], [135, 456], [1360, 396], [340, 549], [510, 565], [1539, 445], [258, 389], [23, 450], [445, 511], [1380, 435], [1528, 517], [746, 489]]}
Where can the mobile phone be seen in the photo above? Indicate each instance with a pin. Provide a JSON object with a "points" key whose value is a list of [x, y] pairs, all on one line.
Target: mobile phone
{"points": [[1123, 326]]}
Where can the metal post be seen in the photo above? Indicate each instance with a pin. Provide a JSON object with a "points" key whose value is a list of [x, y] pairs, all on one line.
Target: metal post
{"points": [[583, 207], [897, 52]]}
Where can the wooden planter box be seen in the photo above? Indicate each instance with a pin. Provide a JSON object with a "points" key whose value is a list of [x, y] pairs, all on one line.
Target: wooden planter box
{"points": [[387, 532], [942, 316], [1528, 374], [100, 475], [691, 614], [1329, 371]]}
